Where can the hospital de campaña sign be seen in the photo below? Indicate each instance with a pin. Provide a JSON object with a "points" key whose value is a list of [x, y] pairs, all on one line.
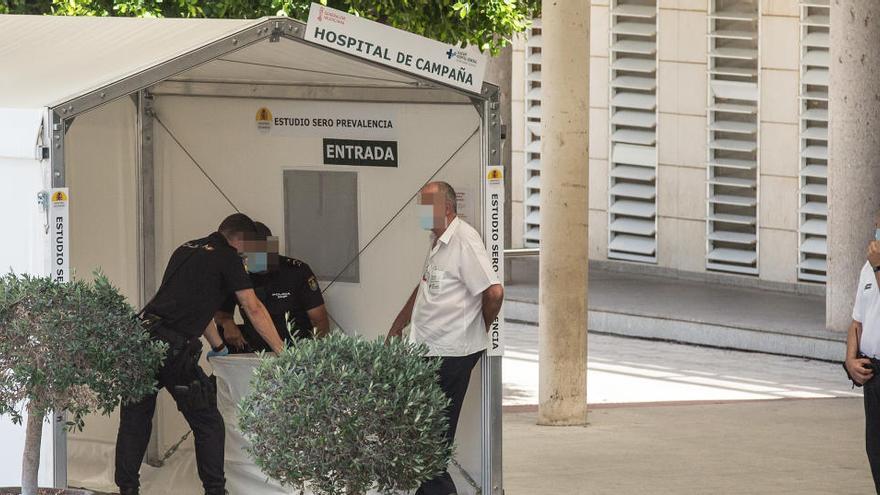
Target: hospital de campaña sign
{"points": [[462, 68]]}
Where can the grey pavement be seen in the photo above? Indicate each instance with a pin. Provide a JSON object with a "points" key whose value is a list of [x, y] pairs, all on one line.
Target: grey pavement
{"points": [[701, 312], [668, 418], [698, 301], [627, 370], [812, 446]]}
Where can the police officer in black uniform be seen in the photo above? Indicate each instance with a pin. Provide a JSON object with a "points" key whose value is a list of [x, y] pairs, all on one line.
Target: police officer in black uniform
{"points": [[289, 290], [200, 276]]}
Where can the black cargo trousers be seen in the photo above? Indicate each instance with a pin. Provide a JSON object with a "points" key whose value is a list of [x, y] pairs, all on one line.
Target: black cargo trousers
{"points": [[454, 376], [871, 392], [196, 397]]}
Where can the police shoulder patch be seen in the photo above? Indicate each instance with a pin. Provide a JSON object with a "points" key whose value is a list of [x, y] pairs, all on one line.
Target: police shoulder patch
{"points": [[313, 283]]}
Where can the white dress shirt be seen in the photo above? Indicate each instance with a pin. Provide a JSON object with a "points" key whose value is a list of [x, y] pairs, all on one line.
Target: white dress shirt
{"points": [[867, 312], [448, 312]]}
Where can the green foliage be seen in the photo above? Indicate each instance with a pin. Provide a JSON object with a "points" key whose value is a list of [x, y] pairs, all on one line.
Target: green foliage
{"points": [[25, 6], [487, 24], [73, 346], [342, 415]]}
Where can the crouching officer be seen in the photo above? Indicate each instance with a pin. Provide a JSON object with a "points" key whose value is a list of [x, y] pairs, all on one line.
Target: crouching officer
{"points": [[289, 290], [200, 275]]}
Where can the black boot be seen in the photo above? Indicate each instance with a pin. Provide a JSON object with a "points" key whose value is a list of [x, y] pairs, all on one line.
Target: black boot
{"points": [[129, 491]]}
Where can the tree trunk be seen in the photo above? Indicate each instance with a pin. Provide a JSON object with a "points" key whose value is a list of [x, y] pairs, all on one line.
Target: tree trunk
{"points": [[30, 465]]}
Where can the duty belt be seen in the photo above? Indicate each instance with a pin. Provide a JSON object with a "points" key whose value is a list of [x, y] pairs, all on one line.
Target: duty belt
{"points": [[159, 328]]}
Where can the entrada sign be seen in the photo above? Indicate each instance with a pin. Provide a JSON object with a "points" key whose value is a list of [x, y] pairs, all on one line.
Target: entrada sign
{"points": [[360, 153]]}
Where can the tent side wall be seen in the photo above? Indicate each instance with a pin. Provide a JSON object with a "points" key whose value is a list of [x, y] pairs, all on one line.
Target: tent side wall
{"points": [[23, 176], [101, 173], [23, 218], [23, 224]]}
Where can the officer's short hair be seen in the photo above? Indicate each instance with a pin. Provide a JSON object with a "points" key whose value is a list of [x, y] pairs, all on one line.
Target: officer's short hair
{"points": [[446, 189], [263, 231], [237, 224]]}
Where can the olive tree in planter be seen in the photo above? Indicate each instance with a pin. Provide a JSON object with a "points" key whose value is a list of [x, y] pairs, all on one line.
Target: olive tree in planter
{"points": [[74, 347], [343, 415]]}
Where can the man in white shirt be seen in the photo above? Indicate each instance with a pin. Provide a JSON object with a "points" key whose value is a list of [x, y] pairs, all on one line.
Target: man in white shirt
{"points": [[863, 349], [456, 301]]}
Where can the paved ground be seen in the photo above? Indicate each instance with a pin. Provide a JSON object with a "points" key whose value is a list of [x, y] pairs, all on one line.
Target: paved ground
{"points": [[625, 370], [761, 424], [704, 312], [770, 447], [700, 301]]}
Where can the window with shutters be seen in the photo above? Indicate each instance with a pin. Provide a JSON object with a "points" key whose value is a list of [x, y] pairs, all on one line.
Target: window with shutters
{"points": [[733, 136]]}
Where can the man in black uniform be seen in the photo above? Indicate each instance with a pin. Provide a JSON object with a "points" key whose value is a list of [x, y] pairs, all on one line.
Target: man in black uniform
{"points": [[200, 275], [289, 290]]}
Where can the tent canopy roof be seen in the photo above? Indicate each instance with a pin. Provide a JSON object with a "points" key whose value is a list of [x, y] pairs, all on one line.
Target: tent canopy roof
{"points": [[48, 61]]}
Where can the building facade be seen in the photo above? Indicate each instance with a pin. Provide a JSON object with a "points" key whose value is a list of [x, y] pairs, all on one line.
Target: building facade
{"points": [[709, 137]]}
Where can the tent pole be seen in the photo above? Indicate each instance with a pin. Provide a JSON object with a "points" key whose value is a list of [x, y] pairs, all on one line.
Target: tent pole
{"points": [[146, 226], [56, 128], [492, 480]]}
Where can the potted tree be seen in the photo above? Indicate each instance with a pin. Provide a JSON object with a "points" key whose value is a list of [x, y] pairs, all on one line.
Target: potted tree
{"points": [[74, 347], [344, 415]]}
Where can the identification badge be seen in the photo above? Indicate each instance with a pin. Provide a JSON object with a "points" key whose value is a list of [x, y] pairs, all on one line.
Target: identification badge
{"points": [[435, 279]]}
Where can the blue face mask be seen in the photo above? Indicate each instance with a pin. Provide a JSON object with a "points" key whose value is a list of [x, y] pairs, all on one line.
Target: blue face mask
{"points": [[877, 235], [426, 216], [257, 262]]}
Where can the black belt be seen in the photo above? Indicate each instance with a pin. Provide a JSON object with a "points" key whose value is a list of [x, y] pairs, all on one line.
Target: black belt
{"points": [[160, 329]]}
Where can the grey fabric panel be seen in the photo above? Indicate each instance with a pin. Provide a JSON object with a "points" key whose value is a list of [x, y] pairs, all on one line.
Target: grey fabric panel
{"points": [[321, 221]]}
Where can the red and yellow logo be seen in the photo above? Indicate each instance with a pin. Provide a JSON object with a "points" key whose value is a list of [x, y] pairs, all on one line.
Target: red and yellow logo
{"points": [[264, 119]]}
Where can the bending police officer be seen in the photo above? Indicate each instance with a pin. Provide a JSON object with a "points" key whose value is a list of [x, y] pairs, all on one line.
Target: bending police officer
{"points": [[289, 290], [200, 275]]}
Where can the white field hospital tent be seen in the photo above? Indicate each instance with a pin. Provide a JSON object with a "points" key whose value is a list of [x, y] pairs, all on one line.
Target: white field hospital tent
{"points": [[122, 138]]}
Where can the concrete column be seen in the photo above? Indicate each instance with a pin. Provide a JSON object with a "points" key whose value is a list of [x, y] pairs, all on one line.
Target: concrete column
{"points": [[854, 162], [562, 318]]}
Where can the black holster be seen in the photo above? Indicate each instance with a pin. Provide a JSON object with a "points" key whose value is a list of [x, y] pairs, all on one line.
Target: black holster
{"points": [[198, 394], [192, 389]]}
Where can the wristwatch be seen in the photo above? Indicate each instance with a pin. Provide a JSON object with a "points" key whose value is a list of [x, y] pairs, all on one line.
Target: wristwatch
{"points": [[877, 268], [218, 348]]}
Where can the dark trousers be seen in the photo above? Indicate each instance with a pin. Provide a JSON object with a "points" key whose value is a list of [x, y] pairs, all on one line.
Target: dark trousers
{"points": [[872, 428], [196, 398], [454, 376]]}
